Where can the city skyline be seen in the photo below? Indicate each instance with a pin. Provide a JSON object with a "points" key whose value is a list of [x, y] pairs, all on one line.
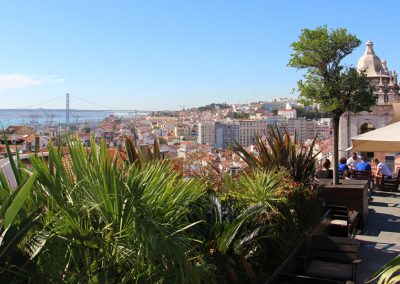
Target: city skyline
{"points": [[169, 54]]}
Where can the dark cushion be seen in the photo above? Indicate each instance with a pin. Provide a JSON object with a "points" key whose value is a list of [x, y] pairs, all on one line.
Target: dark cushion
{"points": [[330, 270]]}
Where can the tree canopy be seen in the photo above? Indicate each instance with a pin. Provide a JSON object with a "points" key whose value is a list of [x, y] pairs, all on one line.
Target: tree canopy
{"points": [[335, 87], [213, 106], [347, 91], [311, 113]]}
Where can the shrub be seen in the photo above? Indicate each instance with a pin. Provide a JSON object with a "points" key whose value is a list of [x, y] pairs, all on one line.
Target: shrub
{"points": [[282, 151]]}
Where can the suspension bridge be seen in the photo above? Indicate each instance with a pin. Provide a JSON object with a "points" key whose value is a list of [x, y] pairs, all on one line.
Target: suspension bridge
{"points": [[40, 114]]}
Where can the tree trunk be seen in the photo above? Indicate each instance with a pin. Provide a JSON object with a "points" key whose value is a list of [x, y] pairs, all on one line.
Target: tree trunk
{"points": [[335, 126]]}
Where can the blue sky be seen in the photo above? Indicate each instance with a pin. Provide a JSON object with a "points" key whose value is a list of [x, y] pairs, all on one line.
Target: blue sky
{"points": [[167, 54]]}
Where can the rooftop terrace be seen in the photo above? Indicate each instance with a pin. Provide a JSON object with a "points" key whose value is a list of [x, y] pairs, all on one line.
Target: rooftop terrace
{"points": [[380, 238]]}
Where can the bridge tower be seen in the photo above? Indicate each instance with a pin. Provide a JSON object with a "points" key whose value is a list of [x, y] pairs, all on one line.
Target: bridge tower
{"points": [[67, 110]]}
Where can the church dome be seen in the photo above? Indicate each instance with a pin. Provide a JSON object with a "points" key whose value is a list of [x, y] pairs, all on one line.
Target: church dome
{"points": [[371, 63]]}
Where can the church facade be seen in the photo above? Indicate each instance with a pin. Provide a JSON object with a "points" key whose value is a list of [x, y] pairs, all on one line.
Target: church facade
{"points": [[385, 86]]}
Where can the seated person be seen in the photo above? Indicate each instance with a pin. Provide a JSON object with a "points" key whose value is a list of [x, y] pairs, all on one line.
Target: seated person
{"points": [[343, 164], [353, 161], [346, 174], [325, 172], [381, 169], [363, 165]]}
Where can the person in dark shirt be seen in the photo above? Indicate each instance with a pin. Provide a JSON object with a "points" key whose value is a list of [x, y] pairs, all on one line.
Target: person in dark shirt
{"points": [[325, 172]]}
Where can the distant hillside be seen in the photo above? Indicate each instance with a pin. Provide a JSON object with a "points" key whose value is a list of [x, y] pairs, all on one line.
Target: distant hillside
{"points": [[310, 113], [213, 106]]}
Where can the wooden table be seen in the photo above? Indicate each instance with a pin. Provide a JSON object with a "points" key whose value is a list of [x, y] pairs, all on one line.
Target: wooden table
{"points": [[350, 193]]}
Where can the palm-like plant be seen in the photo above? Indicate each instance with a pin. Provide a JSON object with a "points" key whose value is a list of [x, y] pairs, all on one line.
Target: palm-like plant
{"points": [[275, 212], [389, 273], [236, 226], [261, 187], [93, 218], [282, 151], [258, 196], [221, 239], [18, 217], [108, 222], [139, 156]]}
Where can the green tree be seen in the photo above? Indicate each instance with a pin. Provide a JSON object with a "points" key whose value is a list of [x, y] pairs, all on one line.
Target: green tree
{"points": [[336, 88], [311, 114], [241, 115]]}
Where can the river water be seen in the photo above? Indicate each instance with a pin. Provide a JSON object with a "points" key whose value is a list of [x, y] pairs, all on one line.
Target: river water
{"points": [[55, 116]]}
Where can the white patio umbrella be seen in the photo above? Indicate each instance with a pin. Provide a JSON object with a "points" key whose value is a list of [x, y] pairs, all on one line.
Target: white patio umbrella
{"points": [[384, 139]]}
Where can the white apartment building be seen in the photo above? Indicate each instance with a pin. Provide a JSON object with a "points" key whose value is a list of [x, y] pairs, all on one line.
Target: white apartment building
{"points": [[182, 131], [206, 133], [304, 128], [323, 128], [307, 129], [288, 113], [276, 120], [250, 129]]}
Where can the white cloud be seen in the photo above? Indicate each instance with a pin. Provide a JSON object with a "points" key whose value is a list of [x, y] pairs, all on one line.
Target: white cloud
{"points": [[18, 81]]}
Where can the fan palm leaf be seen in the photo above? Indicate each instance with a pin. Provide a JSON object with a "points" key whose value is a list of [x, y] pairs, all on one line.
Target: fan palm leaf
{"points": [[118, 221], [389, 273]]}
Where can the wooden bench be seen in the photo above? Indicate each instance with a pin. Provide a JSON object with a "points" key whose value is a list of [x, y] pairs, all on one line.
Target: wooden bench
{"points": [[291, 271], [363, 175], [343, 222], [287, 278], [320, 259], [332, 258], [390, 184], [296, 268], [359, 175], [349, 193]]}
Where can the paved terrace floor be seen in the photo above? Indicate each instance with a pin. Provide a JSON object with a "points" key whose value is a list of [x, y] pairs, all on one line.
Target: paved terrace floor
{"points": [[380, 238]]}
